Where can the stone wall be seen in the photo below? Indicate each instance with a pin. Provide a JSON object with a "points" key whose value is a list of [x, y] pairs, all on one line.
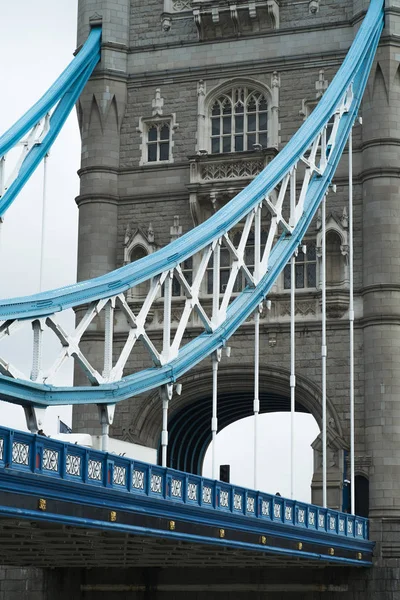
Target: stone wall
{"points": [[380, 583]]}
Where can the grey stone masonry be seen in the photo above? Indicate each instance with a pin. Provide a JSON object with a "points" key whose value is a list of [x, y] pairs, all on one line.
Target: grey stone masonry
{"points": [[153, 60]]}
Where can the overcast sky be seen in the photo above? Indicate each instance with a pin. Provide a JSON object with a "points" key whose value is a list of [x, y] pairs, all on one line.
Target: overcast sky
{"points": [[36, 43]]}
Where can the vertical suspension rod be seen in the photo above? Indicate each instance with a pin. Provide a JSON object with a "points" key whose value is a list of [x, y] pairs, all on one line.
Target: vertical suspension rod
{"points": [[323, 355], [214, 420], [215, 356], [164, 433], [256, 404], [292, 370], [351, 319], [166, 351], [292, 334], [43, 232]]}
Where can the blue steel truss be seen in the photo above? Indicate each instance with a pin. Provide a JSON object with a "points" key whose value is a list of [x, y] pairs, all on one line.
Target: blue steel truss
{"points": [[62, 95], [345, 91]]}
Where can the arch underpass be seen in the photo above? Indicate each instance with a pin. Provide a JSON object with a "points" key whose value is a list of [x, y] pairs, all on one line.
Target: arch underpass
{"points": [[190, 427]]}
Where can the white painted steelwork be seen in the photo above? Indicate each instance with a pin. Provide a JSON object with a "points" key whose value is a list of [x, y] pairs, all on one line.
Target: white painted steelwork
{"points": [[43, 225], [323, 355], [351, 322], [256, 403], [269, 214], [292, 370]]}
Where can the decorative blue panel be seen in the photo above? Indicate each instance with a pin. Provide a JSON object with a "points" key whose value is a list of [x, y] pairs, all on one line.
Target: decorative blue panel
{"points": [[288, 513], [224, 499], [277, 510], [176, 488], [156, 484], [238, 502], [192, 490], [119, 475], [138, 479], [265, 508], [207, 495], [20, 453], [73, 465], [94, 470], [250, 505], [50, 460], [350, 529]]}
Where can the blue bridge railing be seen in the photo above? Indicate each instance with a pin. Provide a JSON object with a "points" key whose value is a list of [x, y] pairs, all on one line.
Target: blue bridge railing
{"points": [[40, 455]]}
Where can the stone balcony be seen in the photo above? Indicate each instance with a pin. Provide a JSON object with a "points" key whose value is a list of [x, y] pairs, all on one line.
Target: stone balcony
{"points": [[219, 18], [217, 178], [233, 17]]}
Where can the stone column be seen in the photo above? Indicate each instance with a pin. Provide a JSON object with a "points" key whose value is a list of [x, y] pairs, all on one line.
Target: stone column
{"points": [[101, 109], [381, 286]]}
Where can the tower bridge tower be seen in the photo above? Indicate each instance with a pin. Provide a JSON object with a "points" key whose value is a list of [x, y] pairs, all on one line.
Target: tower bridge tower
{"points": [[190, 101]]}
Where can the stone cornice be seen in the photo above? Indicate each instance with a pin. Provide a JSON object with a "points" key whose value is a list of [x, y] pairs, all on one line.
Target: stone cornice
{"points": [[282, 31], [151, 198], [379, 172], [96, 199], [385, 141], [98, 169], [298, 62], [380, 287]]}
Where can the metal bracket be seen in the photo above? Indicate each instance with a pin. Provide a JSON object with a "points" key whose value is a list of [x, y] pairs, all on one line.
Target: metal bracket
{"points": [[34, 417]]}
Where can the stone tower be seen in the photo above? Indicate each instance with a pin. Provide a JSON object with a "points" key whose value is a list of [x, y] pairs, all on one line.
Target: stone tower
{"points": [[190, 101]]}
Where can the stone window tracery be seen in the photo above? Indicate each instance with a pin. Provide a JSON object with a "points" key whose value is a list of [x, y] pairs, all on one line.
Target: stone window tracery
{"points": [[239, 120], [239, 115], [157, 133], [158, 141], [137, 245], [305, 269]]}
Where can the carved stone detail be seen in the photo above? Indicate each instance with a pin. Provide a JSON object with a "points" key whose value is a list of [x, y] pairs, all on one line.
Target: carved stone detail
{"points": [[230, 17], [301, 308], [180, 5], [233, 170], [273, 11]]}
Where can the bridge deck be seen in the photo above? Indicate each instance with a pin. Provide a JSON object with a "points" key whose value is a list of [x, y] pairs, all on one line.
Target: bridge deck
{"points": [[66, 505]]}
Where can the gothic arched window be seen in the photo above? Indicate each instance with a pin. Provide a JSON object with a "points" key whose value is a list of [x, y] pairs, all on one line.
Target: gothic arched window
{"points": [[334, 260], [239, 119], [139, 291]]}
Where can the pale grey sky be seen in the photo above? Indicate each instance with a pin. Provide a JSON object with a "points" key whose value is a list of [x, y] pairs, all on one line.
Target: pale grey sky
{"points": [[36, 43]]}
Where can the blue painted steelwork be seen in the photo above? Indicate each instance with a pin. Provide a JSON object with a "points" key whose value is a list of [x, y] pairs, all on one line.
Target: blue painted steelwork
{"points": [[354, 72], [33, 454], [64, 92]]}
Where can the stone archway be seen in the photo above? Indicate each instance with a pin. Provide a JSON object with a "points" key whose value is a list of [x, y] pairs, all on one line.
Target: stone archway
{"points": [[190, 414]]}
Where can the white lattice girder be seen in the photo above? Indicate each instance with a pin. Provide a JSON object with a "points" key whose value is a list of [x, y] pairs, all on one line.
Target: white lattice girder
{"points": [[280, 210]]}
